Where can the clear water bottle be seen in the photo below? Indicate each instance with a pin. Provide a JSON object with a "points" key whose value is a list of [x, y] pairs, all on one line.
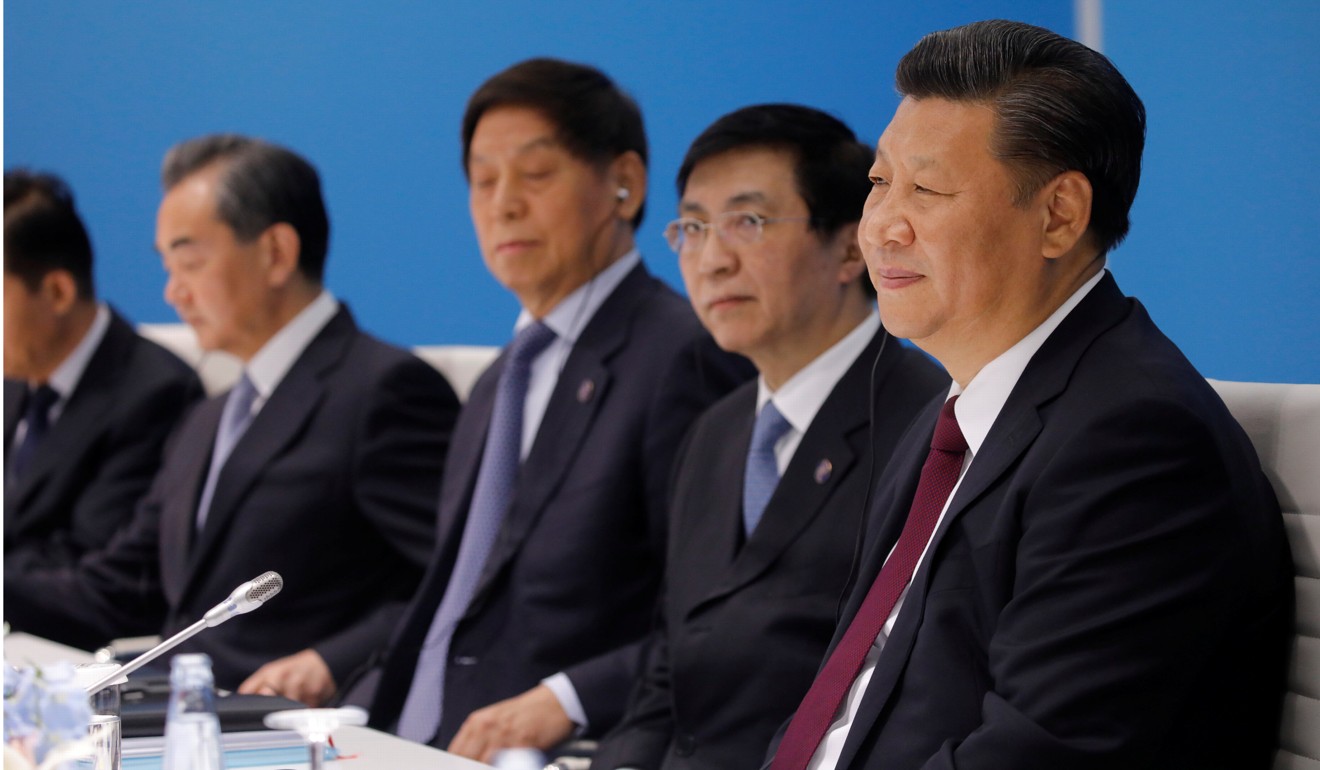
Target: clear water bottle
{"points": [[192, 729]]}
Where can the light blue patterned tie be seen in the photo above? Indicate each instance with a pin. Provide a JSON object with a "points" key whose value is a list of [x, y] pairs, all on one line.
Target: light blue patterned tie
{"points": [[762, 474], [420, 718], [234, 422]]}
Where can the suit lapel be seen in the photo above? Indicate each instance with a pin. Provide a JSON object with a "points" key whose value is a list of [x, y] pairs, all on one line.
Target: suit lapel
{"points": [[189, 461], [92, 399], [1024, 425], [565, 423], [562, 429], [1013, 431], [294, 402], [718, 524], [15, 403], [823, 459], [464, 458], [582, 385], [1044, 378]]}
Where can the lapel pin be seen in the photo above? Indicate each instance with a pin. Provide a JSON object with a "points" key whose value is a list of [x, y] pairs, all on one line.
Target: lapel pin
{"points": [[823, 471], [585, 391]]}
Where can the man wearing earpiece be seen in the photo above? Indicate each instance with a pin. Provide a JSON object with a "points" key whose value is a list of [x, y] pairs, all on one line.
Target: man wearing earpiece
{"points": [[770, 487], [552, 507]]}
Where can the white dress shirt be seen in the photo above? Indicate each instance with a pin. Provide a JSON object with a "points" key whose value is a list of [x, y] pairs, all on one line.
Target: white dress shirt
{"points": [[567, 320], [976, 410], [272, 362], [802, 395]]}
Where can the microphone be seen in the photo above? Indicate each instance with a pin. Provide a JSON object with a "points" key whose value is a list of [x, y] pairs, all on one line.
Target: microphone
{"points": [[246, 598]]}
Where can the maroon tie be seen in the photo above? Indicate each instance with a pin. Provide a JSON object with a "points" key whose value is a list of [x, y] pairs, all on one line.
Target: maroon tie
{"points": [[816, 713]]}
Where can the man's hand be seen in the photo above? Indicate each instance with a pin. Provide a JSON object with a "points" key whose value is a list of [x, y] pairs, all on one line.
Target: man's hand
{"points": [[302, 676], [534, 719]]}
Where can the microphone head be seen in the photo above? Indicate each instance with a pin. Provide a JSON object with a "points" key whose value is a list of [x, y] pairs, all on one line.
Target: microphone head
{"points": [[246, 598], [259, 589]]}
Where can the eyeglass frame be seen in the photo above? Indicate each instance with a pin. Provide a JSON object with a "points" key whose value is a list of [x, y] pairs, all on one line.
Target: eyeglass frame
{"points": [[721, 229]]}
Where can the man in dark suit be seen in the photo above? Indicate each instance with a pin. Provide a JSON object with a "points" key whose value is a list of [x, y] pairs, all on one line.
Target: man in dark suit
{"points": [[767, 240], [552, 509], [1101, 576], [88, 403], [321, 464]]}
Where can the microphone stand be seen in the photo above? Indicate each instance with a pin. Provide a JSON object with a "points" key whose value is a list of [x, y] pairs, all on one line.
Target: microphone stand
{"points": [[146, 657], [246, 598]]}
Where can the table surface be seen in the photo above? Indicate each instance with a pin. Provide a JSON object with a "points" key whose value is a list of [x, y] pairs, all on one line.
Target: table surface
{"points": [[371, 749], [28, 650], [361, 748]]}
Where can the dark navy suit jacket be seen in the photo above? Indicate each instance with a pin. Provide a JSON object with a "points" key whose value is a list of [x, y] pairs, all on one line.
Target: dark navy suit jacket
{"points": [[744, 626], [573, 575], [333, 485], [1110, 586], [99, 457]]}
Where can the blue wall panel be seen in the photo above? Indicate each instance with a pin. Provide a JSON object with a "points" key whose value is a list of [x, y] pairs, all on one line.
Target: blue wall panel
{"points": [[1223, 242], [372, 93], [1223, 248]]}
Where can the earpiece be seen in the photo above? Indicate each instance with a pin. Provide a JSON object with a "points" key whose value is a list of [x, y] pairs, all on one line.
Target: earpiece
{"points": [[621, 194]]}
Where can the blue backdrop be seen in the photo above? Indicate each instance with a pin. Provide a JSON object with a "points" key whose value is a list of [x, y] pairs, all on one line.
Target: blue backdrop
{"points": [[1223, 247]]}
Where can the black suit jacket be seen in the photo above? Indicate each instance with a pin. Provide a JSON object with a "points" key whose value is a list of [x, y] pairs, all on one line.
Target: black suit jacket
{"points": [[333, 485], [574, 573], [743, 627], [98, 459], [1110, 586]]}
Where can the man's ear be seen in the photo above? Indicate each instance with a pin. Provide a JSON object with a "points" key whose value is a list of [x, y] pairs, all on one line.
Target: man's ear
{"points": [[1067, 207], [60, 291], [282, 248], [849, 250], [628, 172]]}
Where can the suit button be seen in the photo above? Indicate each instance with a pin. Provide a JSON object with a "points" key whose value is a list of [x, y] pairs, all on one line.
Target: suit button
{"points": [[685, 745], [465, 660]]}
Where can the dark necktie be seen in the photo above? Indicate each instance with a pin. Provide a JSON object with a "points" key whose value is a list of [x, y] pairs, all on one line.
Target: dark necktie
{"points": [[420, 718], [37, 417], [816, 713], [762, 474]]}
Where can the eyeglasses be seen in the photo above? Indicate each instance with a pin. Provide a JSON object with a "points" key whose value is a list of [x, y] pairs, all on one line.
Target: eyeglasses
{"points": [[733, 227]]}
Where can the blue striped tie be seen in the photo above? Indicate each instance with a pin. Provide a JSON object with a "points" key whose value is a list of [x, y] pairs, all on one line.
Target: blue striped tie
{"points": [[420, 718], [762, 475]]}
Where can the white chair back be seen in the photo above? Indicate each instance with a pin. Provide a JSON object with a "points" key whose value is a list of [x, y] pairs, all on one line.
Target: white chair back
{"points": [[218, 371], [1283, 422], [460, 364]]}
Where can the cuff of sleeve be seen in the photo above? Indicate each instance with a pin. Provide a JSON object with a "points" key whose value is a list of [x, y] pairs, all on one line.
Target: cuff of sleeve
{"points": [[567, 696]]}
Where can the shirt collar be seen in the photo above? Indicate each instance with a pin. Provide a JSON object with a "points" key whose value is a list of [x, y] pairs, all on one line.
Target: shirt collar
{"points": [[268, 367], [802, 395], [568, 318], [985, 396], [70, 371]]}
